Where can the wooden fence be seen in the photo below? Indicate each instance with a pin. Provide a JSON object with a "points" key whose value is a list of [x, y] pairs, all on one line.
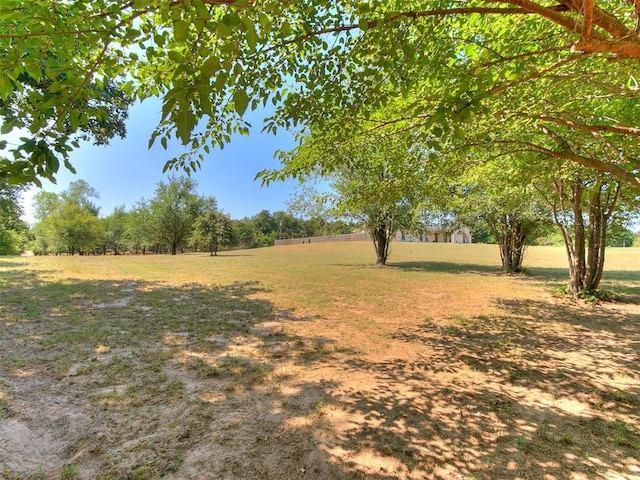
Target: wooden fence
{"points": [[346, 237]]}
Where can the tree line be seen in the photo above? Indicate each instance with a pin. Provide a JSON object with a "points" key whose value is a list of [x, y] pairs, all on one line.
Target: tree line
{"points": [[175, 219]]}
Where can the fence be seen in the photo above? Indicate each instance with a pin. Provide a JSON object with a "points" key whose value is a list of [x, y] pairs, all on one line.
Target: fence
{"points": [[346, 237]]}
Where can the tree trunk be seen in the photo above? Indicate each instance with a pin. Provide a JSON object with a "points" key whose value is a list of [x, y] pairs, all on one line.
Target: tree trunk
{"points": [[585, 244], [381, 240], [174, 248], [513, 242]]}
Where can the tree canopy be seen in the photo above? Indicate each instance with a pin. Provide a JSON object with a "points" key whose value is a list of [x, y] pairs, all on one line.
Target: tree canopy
{"points": [[551, 70]]}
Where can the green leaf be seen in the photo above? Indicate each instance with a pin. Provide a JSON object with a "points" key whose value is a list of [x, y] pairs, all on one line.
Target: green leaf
{"points": [[6, 127], [231, 20], [265, 23], [34, 71], [185, 120], [251, 36], [240, 101], [201, 9], [209, 67], [6, 87], [221, 81], [180, 31], [175, 56], [204, 92], [52, 162], [140, 4]]}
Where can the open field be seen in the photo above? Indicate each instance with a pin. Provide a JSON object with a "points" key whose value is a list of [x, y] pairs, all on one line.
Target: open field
{"points": [[305, 362]]}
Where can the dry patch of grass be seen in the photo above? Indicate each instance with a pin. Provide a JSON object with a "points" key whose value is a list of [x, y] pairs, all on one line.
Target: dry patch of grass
{"points": [[306, 362]]}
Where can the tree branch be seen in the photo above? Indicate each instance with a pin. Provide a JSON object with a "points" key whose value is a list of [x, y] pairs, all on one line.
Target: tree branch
{"points": [[576, 125], [588, 162]]}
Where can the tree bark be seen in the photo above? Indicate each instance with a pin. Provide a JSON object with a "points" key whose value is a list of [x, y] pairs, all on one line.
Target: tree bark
{"points": [[381, 240], [585, 242]]}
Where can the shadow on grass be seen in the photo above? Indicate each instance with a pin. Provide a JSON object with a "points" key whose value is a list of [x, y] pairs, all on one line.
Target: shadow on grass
{"points": [[4, 263], [131, 379], [444, 267], [620, 281], [541, 391]]}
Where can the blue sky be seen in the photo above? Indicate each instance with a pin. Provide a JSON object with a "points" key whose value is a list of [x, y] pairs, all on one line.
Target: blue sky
{"points": [[125, 170]]}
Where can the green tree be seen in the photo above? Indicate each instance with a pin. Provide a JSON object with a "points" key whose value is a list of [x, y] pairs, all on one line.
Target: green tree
{"points": [[265, 227], [174, 209], [500, 194], [76, 230], [620, 236], [82, 194], [246, 232], [140, 233], [376, 181], [12, 228], [115, 227], [214, 230], [68, 222]]}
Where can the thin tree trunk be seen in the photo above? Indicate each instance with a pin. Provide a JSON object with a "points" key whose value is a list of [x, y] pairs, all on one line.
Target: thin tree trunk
{"points": [[381, 240]]}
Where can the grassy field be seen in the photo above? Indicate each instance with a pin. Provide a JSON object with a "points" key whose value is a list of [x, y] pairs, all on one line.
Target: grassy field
{"points": [[307, 362]]}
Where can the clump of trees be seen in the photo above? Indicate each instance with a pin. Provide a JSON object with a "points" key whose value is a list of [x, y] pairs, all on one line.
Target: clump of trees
{"points": [[174, 220]]}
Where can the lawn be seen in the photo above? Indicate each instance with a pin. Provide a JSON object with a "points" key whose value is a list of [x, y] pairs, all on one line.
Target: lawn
{"points": [[307, 362]]}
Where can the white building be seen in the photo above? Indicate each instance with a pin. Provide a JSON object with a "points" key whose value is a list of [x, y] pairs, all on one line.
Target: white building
{"points": [[434, 235]]}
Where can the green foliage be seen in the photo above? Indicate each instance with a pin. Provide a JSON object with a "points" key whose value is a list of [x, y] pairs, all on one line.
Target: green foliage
{"points": [[76, 230], [483, 79], [68, 223], [589, 296], [13, 230], [376, 180], [139, 234], [11, 242], [174, 209], [214, 230], [115, 226]]}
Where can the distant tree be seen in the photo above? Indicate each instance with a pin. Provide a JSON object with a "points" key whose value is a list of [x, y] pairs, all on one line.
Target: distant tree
{"points": [[139, 231], [82, 194], [310, 205], [246, 233], [115, 227], [68, 222], [214, 230], [13, 229], [76, 230], [44, 204], [508, 205], [174, 209], [620, 236], [266, 228], [379, 183]]}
